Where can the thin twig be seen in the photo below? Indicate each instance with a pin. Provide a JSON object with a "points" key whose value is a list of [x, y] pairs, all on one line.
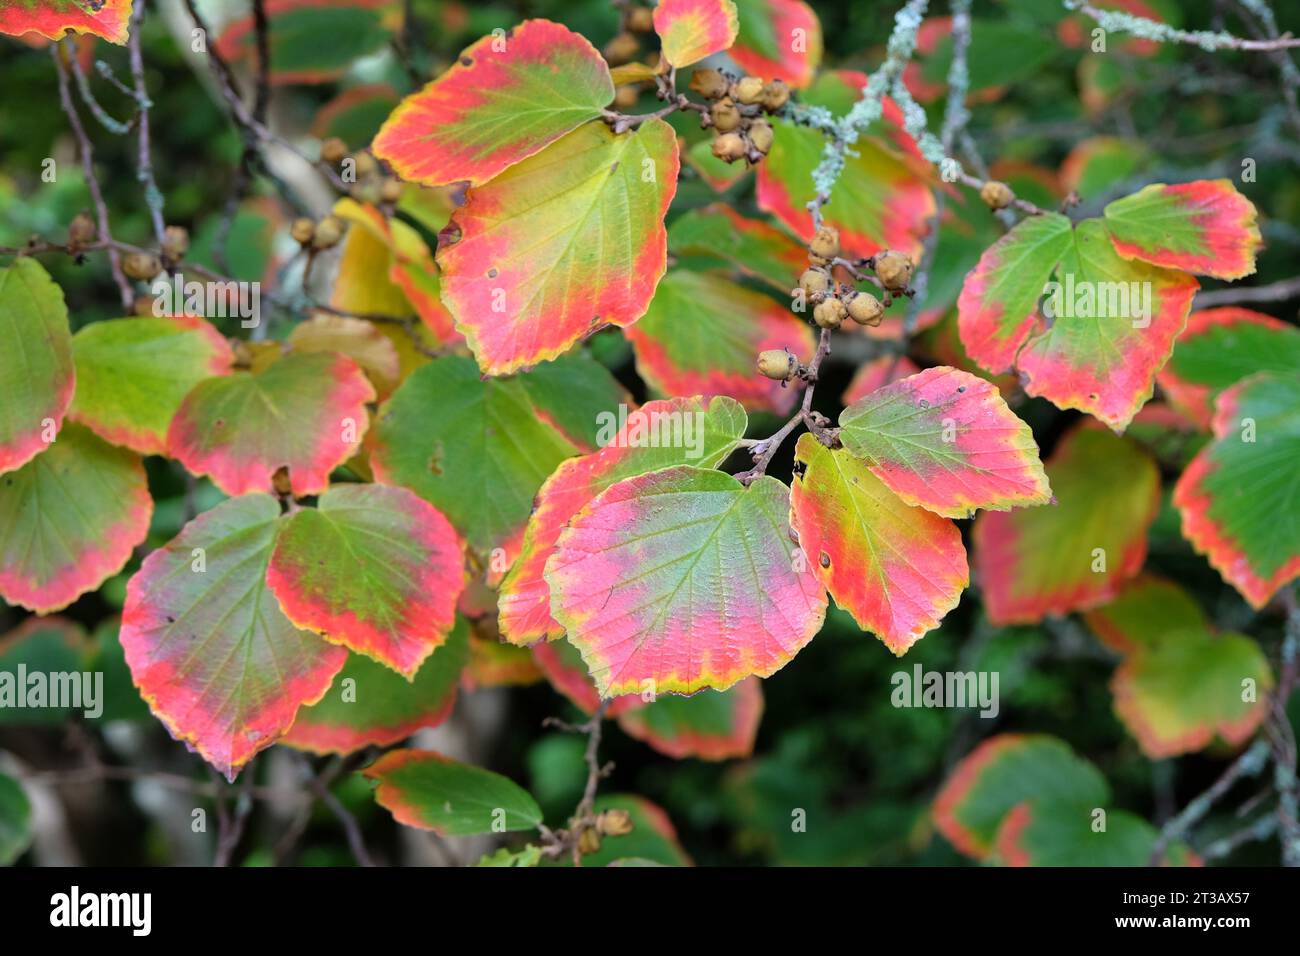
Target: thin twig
{"points": [[153, 196], [1250, 763]]}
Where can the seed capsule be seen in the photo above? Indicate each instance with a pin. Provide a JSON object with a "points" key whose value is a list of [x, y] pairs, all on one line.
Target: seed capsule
{"points": [[391, 190], [996, 195], [829, 314], [893, 268], [777, 364], [725, 115], [775, 95], [176, 242], [622, 49], [760, 134], [328, 232], [81, 231], [625, 97], [865, 309], [749, 90], [729, 147], [614, 822], [302, 230], [815, 280], [710, 84], [826, 244], [333, 150], [640, 19], [142, 266]]}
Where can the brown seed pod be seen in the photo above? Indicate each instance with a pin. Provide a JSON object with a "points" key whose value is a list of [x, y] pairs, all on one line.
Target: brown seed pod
{"points": [[614, 822], [710, 84], [748, 90], [82, 231], [865, 309], [302, 230], [893, 269], [775, 95], [333, 150], [622, 49], [996, 195], [777, 364], [640, 19], [176, 242], [366, 164], [826, 244], [729, 147], [328, 232], [725, 115], [142, 266], [625, 97], [588, 841], [829, 314], [391, 190], [815, 280], [760, 134]]}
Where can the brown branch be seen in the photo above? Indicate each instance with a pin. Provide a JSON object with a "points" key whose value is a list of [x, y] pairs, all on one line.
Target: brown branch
{"points": [[153, 196], [1275, 292], [558, 843], [59, 53]]}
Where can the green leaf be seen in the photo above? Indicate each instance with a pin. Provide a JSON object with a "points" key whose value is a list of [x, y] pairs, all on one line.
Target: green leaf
{"points": [[428, 791], [45, 646], [1066, 832], [15, 820], [36, 369]]}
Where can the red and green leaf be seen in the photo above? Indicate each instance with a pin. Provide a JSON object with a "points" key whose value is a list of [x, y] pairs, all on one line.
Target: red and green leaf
{"points": [[880, 200], [133, 374], [898, 569], [15, 820], [779, 39], [425, 790], [709, 725], [562, 666], [759, 250], [369, 705], [305, 413], [1204, 227], [1220, 347], [683, 579], [878, 373], [701, 334], [690, 30], [567, 242], [1079, 552], [1064, 832], [358, 339], [377, 569], [946, 441], [52, 18], [48, 645], [217, 661], [37, 374], [505, 98], [645, 443], [1003, 772], [69, 519], [1240, 496], [433, 436], [1148, 611], [1177, 695]]}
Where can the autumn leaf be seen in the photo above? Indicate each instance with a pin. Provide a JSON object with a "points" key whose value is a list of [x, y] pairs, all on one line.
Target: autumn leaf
{"points": [[432, 436], [428, 791], [1003, 772], [358, 339], [759, 250], [945, 440], [354, 28], [683, 578], [896, 568], [1077, 553], [133, 374], [1058, 831], [37, 381], [701, 334], [709, 725], [660, 434], [1149, 610], [1204, 227], [562, 665], [306, 413], [1240, 497], [690, 30], [507, 97], [560, 245], [374, 568], [52, 18], [371, 705], [69, 519], [880, 200], [779, 39], [1220, 347], [877, 373], [217, 661]]}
